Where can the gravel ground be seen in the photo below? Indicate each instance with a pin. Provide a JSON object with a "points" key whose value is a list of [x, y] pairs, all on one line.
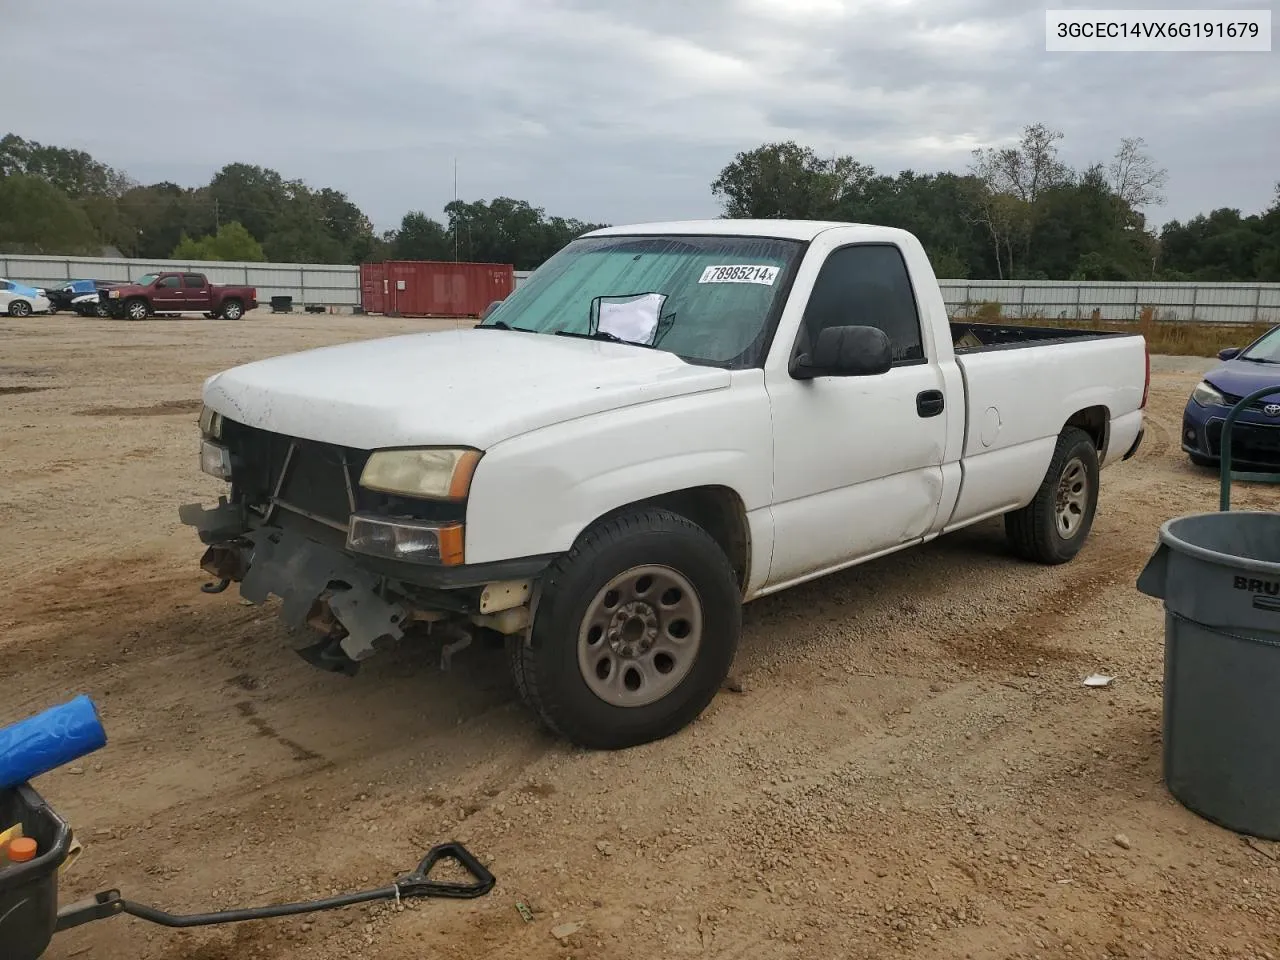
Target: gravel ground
{"points": [[906, 766]]}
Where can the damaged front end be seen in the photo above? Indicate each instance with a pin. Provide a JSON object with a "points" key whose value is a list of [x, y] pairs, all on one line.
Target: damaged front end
{"points": [[358, 567]]}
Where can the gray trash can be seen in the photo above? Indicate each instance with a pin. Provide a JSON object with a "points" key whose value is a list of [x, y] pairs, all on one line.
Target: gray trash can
{"points": [[1219, 577]]}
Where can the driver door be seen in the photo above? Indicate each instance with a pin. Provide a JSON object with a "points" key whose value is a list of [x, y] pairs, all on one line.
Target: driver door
{"points": [[857, 459], [166, 295]]}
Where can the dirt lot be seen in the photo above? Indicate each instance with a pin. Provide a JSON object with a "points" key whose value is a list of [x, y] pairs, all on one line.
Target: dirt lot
{"points": [[908, 766]]}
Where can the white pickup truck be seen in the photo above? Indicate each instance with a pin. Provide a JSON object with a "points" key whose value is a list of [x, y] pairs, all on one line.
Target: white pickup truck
{"points": [[663, 422]]}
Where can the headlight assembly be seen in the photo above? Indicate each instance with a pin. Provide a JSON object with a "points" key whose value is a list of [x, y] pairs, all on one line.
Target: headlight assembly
{"points": [[435, 474], [1207, 395], [210, 423]]}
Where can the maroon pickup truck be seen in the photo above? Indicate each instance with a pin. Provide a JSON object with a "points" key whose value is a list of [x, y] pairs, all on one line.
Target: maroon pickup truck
{"points": [[180, 293]]}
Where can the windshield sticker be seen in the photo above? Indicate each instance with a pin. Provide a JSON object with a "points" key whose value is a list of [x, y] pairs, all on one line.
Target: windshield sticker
{"points": [[745, 273]]}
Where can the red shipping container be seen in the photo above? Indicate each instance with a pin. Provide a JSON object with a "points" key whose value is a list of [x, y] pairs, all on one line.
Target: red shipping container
{"points": [[431, 288]]}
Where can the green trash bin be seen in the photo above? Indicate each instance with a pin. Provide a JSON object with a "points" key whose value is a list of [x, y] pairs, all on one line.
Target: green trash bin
{"points": [[1219, 577]]}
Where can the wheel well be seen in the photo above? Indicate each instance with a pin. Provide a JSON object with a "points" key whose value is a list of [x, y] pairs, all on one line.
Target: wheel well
{"points": [[1096, 422], [717, 510]]}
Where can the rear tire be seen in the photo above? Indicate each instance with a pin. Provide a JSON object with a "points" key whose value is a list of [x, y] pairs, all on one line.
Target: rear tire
{"points": [[232, 310], [19, 309], [1053, 527], [635, 631]]}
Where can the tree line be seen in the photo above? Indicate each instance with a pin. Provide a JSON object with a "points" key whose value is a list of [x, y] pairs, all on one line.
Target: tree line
{"points": [[1016, 212], [55, 200]]}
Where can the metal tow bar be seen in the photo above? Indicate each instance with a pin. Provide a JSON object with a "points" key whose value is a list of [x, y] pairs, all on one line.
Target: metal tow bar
{"points": [[109, 903]]}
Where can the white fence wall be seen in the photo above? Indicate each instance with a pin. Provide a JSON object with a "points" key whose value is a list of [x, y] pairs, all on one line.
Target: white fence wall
{"points": [[1019, 299], [330, 284], [1172, 302]]}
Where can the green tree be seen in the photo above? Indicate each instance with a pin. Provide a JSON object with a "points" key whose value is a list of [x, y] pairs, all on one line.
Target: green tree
{"points": [[787, 180], [231, 242], [36, 217], [73, 172], [419, 238]]}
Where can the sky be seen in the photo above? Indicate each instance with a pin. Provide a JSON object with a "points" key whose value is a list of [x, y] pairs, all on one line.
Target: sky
{"points": [[611, 111]]}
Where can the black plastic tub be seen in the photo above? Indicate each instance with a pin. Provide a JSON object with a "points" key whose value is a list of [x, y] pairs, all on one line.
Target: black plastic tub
{"points": [[29, 891]]}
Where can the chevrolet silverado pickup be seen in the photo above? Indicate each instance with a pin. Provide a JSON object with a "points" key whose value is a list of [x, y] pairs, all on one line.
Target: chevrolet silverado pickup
{"points": [[663, 422], [179, 293]]}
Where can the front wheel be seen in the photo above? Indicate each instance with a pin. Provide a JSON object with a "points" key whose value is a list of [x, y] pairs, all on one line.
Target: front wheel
{"points": [[1052, 528], [635, 631], [136, 310], [101, 310]]}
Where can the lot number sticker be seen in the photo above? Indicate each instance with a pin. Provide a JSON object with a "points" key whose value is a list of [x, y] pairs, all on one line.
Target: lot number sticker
{"points": [[746, 273]]}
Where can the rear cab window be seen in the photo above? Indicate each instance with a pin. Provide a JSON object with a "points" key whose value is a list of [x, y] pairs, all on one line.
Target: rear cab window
{"points": [[193, 281]]}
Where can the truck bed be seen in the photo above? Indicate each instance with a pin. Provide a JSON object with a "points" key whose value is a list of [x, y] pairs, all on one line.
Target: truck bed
{"points": [[969, 337]]}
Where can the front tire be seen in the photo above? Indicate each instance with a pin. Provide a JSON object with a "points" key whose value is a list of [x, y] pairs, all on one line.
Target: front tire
{"points": [[136, 310], [19, 309], [635, 631], [101, 310], [1053, 527]]}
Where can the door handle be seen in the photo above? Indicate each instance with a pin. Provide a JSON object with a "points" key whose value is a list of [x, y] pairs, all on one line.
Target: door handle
{"points": [[929, 403]]}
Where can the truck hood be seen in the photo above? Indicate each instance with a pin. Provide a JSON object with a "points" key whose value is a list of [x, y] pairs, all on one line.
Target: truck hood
{"points": [[453, 387]]}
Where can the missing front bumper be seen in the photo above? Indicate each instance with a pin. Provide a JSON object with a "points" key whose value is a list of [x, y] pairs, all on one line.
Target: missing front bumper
{"points": [[313, 581]]}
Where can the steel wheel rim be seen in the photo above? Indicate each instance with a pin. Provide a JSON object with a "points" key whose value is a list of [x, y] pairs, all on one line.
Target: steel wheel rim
{"points": [[640, 636], [137, 311], [1072, 498]]}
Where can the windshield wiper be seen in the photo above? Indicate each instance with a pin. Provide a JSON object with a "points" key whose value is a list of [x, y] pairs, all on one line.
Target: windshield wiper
{"points": [[502, 325], [1258, 360], [600, 335]]}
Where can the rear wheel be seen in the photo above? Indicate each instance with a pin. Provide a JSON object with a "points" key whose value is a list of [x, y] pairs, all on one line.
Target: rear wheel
{"points": [[232, 310], [136, 310], [636, 629], [19, 308], [1053, 527]]}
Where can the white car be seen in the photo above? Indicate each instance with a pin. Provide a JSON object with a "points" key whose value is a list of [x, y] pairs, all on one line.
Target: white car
{"points": [[20, 301], [661, 423]]}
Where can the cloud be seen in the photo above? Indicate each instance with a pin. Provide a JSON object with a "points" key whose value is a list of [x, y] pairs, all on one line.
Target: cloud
{"points": [[606, 111]]}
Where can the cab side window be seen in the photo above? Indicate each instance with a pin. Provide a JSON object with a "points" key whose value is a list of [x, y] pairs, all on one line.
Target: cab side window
{"points": [[167, 283], [193, 281], [867, 285]]}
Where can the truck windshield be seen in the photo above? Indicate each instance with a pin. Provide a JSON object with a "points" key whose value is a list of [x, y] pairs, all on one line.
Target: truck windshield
{"points": [[146, 279], [714, 296]]}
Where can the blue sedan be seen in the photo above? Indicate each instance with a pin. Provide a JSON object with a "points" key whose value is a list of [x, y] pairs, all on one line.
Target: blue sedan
{"points": [[1255, 441]]}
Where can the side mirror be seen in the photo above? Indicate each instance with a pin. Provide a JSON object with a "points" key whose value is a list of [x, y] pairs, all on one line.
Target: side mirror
{"points": [[1229, 353], [489, 309], [845, 352]]}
